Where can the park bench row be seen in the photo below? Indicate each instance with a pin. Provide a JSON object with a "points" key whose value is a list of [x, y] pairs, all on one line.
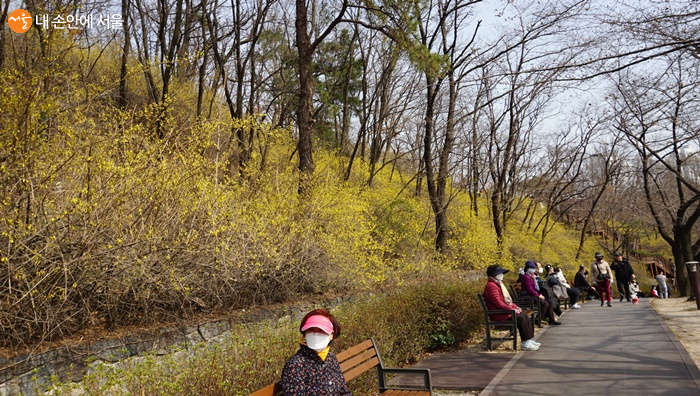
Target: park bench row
{"points": [[531, 306]]}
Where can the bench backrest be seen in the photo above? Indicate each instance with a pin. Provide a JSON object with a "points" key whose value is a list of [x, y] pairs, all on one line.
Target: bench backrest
{"points": [[515, 289], [358, 359], [483, 306], [353, 362]]}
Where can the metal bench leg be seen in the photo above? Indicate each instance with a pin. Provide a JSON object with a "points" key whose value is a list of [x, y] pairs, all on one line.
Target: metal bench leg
{"points": [[488, 337]]}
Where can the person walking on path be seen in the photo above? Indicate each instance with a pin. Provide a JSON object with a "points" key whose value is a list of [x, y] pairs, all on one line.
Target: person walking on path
{"points": [[601, 272], [623, 275], [661, 287], [496, 297]]}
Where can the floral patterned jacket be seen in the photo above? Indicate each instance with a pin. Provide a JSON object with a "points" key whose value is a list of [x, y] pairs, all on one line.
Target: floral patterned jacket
{"points": [[306, 374]]}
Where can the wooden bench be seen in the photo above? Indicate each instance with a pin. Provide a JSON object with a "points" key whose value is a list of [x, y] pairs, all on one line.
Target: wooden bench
{"points": [[362, 358], [510, 325], [529, 302], [563, 301]]}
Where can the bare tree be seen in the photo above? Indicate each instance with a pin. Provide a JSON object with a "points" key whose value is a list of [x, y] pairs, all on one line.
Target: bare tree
{"points": [[515, 83], [603, 167], [4, 13], [126, 48], [627, 33], [169, 40], [554, 187], [237, 44], [656, 112], [439, 31]]}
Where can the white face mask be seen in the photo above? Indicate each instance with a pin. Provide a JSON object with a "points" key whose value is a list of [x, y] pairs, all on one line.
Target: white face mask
{"points": [[317, 341], [530, 270], [499, 277], [539, 270]]}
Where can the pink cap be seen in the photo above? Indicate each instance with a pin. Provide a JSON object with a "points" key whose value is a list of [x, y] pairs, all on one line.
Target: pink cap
{"points": [[320, 322]]}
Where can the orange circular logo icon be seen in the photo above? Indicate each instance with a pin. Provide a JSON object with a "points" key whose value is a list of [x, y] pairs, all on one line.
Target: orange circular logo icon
{"points": [[20, 20]]}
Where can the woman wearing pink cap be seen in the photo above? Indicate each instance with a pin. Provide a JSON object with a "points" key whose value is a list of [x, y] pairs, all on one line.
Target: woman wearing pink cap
{"points": [[314, 369]]}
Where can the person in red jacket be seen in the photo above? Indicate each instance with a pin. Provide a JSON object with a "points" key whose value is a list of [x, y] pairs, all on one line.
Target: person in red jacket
{"points": [[496, 297]]}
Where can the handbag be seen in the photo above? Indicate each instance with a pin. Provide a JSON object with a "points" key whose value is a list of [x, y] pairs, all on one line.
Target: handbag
{"points": [[560, 291], [601, 276]]}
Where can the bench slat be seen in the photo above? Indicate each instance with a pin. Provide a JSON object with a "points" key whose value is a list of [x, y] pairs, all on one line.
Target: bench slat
{"points": [[355, 360], [269, 390], [360, 369], [397, 392], [348, 353]]}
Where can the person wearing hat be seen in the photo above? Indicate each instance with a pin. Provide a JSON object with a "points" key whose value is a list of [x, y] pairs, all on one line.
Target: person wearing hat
{"points": [[623, 274], [529, 286], [314, 369], [496, 297], [601, 272]]}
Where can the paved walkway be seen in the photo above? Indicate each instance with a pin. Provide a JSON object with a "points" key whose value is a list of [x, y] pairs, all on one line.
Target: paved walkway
{"points": [[624, 350]]}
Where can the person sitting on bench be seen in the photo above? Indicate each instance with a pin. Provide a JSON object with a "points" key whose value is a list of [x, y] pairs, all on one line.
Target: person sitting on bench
{"points": [[555, 277], [314, 369], [529, 287], [581, 282], [496, 297]]}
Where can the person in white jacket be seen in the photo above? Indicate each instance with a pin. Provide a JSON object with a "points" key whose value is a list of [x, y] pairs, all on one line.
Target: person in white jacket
{"points": [[634, 290]]}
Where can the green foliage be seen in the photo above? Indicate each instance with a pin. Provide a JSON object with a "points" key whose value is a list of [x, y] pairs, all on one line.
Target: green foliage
{"points": [[441, 338]]}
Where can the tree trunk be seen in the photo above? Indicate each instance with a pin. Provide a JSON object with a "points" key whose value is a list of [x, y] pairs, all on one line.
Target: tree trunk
{"points": [[304, 108], [125, 55], [145, 55], [444, 169], [4, 13], [682, 254], [430, 179], [201, 84], [168, 53]]}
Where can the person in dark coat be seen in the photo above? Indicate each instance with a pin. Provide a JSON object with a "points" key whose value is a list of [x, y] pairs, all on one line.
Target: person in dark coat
{"points": [[554, 278], [623, 276], [496, 297], [314, 370], [581, 281]]}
